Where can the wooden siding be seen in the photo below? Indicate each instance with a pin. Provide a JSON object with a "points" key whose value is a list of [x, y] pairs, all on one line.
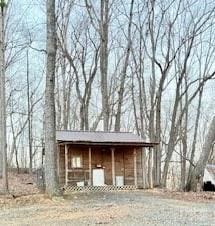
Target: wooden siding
{"points": [[124, 164]]}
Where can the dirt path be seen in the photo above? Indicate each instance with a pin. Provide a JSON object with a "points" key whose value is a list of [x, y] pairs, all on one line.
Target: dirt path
{"points": [[112, 208]]}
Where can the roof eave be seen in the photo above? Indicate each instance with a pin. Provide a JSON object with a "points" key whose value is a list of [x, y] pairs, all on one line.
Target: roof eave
{"points": [[134, 144]]}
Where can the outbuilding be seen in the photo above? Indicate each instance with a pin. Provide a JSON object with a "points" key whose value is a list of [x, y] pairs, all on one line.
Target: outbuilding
{"points": [[95, 159], [209, 178]]}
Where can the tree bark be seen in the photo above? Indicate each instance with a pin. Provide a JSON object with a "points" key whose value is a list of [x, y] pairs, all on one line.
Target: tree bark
{"points": [[50, 130], [198, 173], [104, 25], [172, 137], [193, 150], [3, 136], [29, 116]]}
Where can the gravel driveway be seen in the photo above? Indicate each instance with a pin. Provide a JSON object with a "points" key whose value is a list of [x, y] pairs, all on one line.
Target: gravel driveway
{"points": [[112, 208]]}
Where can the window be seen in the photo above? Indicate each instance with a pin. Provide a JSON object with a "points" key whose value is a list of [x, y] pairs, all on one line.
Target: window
{"points": [[76, 162]]}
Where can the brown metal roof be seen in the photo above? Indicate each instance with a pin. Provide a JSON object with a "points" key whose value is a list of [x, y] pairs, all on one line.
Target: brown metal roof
{"points": [[104, 138]]}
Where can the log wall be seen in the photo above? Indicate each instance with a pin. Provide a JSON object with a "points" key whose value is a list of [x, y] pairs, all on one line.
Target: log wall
{"points": [[101, 156]]}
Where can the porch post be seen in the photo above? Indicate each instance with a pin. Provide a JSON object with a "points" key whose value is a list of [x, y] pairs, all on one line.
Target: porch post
{"points": [[66, 164], [58, 160], [143, 162], [90, 167], [135, 167], [113, 166]]}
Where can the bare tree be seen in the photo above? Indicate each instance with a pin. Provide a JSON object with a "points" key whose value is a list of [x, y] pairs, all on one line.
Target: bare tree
{"points": [[194, 30], [3, 136], [30, 139], [124, 70], [64, 76], [101, 23], [84, 69], [198, 172], [50, 129], [104, 25]]}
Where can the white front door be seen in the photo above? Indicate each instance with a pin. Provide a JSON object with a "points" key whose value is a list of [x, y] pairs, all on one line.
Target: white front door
{"points": [[98, 177]]}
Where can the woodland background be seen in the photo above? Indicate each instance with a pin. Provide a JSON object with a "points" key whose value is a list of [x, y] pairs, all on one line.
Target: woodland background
{"points": [[141, 66]]}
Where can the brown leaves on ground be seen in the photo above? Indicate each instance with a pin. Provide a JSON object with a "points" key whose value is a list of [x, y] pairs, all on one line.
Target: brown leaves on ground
{"points": [[20, 184], [9, 201], [186, 196], [23, 191]]}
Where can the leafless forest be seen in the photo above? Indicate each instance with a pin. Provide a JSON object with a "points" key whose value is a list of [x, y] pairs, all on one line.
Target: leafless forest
{"points": [[145, 66]]}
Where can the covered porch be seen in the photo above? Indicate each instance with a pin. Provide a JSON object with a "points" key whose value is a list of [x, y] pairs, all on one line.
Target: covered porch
{"points": [[85, 163]]}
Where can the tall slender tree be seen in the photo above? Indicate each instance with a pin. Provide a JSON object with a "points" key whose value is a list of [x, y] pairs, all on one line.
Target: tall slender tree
{"points": [[50, 130], [104, 28], [29, 114], [3, 137], [101, 23], [124, 71]]}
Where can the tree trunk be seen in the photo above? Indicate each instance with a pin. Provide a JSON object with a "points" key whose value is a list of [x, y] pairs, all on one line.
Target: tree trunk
{"points": [[50, 130], [82, 116], [183, 161], [172, 138], [17, 160], [198, 173], [65, 120], [29, 116], [157, 149], [183, 134], [104, 24], [124, 72], [3, 136], [195, 135]]}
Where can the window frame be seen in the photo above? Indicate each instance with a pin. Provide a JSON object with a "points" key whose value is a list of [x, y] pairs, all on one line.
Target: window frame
{"points": [[81, 162]]}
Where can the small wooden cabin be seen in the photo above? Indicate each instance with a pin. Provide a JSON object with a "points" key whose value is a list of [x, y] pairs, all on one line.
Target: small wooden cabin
{"points": [[100, 158]]}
